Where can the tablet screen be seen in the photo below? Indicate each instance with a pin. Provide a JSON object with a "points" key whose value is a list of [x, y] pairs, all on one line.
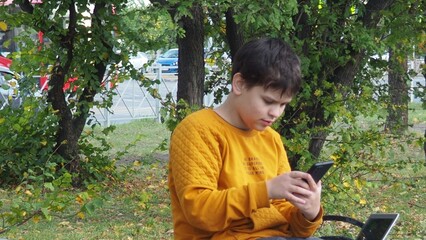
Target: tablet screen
{"points": [[377, 226]]}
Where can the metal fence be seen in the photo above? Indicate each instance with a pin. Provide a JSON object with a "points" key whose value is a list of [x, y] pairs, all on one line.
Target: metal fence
{"points": [[133, 101]]}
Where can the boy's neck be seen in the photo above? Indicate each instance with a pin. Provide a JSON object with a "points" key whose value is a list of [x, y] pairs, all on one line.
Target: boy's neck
{"points": [[227, 112]]}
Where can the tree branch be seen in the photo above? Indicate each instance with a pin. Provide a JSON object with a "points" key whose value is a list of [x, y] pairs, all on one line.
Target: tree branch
{"points": [[26, 6]]}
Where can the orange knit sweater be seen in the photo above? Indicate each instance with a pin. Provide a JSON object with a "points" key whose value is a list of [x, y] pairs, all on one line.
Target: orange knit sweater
{"points": [[217, 181]]}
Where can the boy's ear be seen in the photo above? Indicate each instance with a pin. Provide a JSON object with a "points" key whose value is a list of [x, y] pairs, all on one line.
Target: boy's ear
{"points": [[237, 83]]}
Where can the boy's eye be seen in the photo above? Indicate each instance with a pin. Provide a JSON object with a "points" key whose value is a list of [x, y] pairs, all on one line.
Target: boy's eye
{"points": [[269, 102]]}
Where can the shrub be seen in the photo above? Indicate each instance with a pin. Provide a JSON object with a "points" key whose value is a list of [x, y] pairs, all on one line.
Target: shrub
{"points": [[27, 142]]}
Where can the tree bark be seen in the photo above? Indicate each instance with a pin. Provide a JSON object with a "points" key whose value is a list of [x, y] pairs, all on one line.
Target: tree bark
{"points": [[398, 80], [191, 58], [234, 34]]}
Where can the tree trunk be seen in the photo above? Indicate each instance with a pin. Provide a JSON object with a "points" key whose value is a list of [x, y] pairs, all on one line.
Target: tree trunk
{"points": [[233, 33], [191, 58], [66, 137], [398, 80]]}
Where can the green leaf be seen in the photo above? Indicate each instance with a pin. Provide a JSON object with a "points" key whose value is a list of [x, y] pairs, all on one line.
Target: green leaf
{"points": [[46, 214], [49, 186]]}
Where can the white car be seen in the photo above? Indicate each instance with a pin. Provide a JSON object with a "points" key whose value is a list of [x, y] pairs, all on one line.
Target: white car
{"points": [[139, 60], [9, 88]]}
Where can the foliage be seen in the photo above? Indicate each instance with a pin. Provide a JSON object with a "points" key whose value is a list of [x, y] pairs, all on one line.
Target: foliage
{"points": [[27, 143], [132, 203], [92, 43], [39, 177], [172, 113], [28, 147], [97, 166], [377, 183], [137, 208], [148, 28], [89, 42], [271, 21], [81, 41], [36, 199]]}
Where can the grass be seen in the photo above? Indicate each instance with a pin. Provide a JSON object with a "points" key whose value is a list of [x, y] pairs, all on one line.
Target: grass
{"points": [[139, 207]]}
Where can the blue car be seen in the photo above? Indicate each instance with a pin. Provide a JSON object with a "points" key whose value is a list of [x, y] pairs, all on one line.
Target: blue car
{"points": [[169, 59]]}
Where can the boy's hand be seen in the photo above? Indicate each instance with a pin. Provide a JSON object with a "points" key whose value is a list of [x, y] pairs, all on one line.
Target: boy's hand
{"points": [[298, 188]]}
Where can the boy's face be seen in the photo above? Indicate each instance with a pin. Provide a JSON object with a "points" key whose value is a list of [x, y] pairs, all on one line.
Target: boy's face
{"points": [[257, 107]]}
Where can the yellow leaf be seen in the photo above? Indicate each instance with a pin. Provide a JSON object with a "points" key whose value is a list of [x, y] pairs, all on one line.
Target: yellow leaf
{"points": [[105, 55], [415, 120], [318, 93], [136, 163], [333, 187], [358, 184], [36, 219], [2, 120], [142, 205], [28, 193], [79, 200], [3, 26], [80, 215], [363, 202], [346, 184], [43, 143]]}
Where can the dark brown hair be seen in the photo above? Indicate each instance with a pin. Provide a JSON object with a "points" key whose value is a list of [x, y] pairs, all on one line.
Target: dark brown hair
{"points": [[269, 62]]}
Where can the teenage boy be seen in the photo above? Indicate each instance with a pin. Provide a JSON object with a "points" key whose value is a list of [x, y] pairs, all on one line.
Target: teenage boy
{"points": [[229, 175]]}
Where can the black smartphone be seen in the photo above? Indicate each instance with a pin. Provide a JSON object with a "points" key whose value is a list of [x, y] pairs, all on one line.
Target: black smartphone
{"points": [[318, 170]]}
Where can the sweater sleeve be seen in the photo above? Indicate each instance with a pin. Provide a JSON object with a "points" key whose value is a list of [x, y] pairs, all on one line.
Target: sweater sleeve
{"points": [[299, 226], [195, 165]]}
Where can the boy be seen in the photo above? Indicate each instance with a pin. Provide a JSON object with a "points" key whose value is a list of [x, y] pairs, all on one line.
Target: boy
{"points": [[229, 175]]}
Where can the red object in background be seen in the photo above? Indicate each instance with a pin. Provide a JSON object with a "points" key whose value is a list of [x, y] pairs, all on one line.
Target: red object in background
{"points": [[44, 84], [67, 84], [5, 62], [40, 39]]}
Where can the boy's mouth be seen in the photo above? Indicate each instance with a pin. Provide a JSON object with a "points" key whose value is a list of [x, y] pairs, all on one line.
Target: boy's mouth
{"points": [[267, 122]]}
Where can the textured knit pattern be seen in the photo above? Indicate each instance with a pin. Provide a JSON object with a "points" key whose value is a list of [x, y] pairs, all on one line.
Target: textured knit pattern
{"points": [[217, 181]]}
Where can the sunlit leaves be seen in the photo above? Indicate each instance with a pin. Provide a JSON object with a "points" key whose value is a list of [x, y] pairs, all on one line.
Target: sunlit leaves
{"points": [[3, 26], [258, 20]]}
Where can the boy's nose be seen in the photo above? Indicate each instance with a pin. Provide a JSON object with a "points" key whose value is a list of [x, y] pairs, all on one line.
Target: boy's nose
{"points": [[276, 111]]}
